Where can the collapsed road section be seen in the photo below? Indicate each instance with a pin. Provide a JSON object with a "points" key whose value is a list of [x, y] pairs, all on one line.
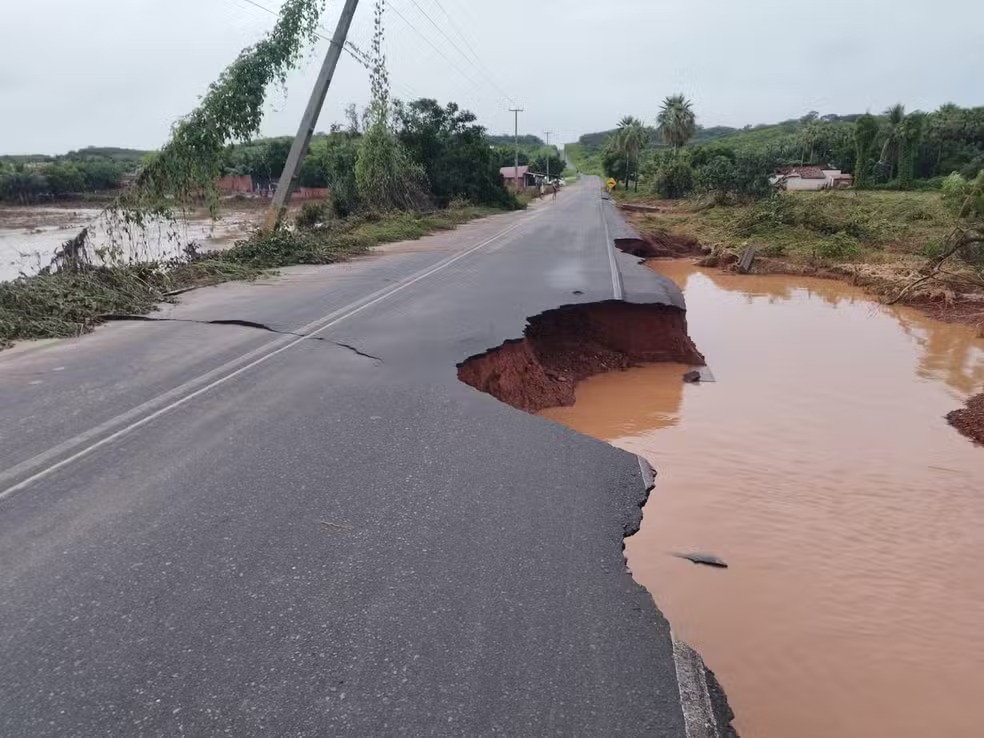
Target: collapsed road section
{"points": [[564, 346]]}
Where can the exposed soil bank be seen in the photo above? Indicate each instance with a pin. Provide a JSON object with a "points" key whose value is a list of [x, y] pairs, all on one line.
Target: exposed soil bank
{"points": [[889, 269], [660, 244], [970, 420], [562, 347]]}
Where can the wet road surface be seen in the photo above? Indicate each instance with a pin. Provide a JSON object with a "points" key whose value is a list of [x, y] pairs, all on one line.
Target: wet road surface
{"points": [[214, 528]]}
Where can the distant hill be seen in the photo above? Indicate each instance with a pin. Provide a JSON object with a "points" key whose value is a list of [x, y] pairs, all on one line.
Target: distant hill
{"points": [[107, 152], [749, 135], [507, 139], [111, 153], [595, 141]]}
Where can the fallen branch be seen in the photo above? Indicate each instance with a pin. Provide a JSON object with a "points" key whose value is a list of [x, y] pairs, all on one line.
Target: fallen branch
{"points": [[959, 239]]}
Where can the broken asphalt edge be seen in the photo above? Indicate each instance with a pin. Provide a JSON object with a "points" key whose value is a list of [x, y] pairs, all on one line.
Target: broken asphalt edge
{"points": [[706, 712]]}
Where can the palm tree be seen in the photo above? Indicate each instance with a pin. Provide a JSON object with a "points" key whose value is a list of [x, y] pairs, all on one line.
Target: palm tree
{"points": [[911, 132], [810, 135], [865, 133], [630, 139], [891, 149], [677, 122], [943, 125]]}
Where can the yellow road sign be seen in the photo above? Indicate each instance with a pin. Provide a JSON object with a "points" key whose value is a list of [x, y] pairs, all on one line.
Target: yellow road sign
{"points": [[611, 184]]}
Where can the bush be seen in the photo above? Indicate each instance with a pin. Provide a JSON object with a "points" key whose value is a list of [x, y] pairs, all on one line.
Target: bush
{"points": [[955, 189], [717, 176], [838, 247], [386, 177], [674, 178], [313, 213]]}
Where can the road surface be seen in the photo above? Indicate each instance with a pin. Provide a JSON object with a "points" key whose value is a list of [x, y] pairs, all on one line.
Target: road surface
{"points": [[212, 529]]}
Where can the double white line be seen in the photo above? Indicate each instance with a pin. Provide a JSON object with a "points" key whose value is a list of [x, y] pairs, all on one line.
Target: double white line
{"points": [[53, 459]]}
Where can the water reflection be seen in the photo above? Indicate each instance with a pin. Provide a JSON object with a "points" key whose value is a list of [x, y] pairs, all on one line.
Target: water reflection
{"points": [[952, 353]]}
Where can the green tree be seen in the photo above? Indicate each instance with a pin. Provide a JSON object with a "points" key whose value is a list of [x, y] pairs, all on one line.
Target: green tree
{"points": [[891, 147], [810, 135], [671, 174], [719, 176], [910, 135], [629, 140], [453, 150], [385, 175], [676, 121], [865, 133], [63, 179], [101, 174], [613, 161], [231, 110]]}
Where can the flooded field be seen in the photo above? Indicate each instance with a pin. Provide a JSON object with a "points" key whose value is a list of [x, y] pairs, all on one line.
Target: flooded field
{"points": [[820, 468], [29, 236]]}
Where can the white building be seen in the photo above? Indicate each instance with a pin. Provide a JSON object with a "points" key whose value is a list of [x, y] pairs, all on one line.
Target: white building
{"points": [[810, 179]]}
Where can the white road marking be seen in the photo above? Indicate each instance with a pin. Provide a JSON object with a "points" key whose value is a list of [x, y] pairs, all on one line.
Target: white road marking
{"points": [[610, 245], [312, 329]]}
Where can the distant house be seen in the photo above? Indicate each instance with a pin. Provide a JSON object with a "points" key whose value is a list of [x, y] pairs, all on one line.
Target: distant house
{"points": [[245, 184], [810, 179], [526, 177], [838, 180], [232, 184]]}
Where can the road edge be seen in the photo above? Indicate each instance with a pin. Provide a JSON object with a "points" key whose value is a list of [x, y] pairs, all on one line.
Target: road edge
{"points": [[705, 707]]}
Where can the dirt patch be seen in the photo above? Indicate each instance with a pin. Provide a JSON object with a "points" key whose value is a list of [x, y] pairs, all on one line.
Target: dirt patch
{"points": [[641, 207], [970, 420], [661, 245], [720, 260], [564, 346]]}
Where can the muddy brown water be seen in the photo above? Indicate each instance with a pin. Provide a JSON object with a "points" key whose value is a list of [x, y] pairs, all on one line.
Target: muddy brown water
{"points": [[820, 468], [29, 236]]}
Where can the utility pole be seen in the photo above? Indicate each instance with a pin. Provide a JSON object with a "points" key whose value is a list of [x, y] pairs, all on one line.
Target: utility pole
{"points": [[302, 140], [516, 111], [547, 134]]}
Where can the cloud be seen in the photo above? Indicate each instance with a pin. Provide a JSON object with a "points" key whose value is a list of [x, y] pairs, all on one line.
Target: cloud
{"points": [[119, 72]]}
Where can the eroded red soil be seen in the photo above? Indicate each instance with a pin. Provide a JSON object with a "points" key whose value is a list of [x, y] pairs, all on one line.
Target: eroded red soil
{"points": [[561, 347]]}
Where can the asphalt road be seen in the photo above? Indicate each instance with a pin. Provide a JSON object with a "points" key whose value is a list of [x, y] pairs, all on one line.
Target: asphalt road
{"points": [[216, 529]]}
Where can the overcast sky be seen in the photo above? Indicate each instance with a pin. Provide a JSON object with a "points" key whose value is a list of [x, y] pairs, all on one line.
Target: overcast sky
{"points": [[118, 72]]}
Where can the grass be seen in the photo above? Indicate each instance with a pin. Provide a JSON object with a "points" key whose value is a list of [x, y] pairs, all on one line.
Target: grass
{"points": [[71, 301], [879, 240], [872, 227], [587, 162]]}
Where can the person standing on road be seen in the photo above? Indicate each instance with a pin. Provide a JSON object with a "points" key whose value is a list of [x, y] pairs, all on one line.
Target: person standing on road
{"points": [[553, 188]]}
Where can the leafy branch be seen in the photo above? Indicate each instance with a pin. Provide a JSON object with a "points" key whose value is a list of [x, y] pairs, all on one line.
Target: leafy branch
{"points": [[187, 167], [231, 111], [966, 201]]}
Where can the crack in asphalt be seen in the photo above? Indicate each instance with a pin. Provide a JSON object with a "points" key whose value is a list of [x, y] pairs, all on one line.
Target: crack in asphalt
{"points": [[120, 317], [357, 352]]}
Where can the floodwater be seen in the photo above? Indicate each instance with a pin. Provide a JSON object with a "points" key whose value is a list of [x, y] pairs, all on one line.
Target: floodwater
{"points": [[820, 468], [29, 236]]}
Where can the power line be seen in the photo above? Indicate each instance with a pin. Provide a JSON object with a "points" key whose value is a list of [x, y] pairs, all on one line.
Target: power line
{"points": [[458, 48], [349, 48], [451, 63], [470, 47]]}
